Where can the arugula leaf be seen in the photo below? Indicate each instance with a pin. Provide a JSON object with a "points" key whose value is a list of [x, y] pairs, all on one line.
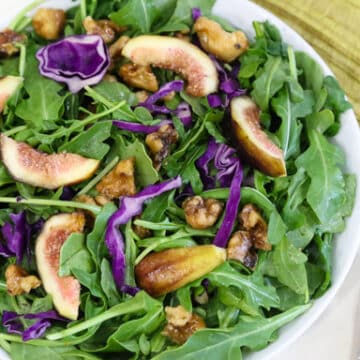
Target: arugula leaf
{"points": [[91, 142], [326, 194], [213, 344], [336, 97], [44, 105], [108, 283], [144, 171], [289, 265], [73, 254], [269, 81], [142, 15], [255, 293], [24, 351]]}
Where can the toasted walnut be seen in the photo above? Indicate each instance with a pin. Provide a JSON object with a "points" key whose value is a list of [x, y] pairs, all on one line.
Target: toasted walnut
{"points": [[215, 40], [139, 76], [181, 324], [8, 39], [18, 281], [201, 213], [102, 200], [159, 143], [252, 221], [240, 248], [141, 96], [86, 199], [116, 48], [107, 29], [118, 182], [49, 23]]}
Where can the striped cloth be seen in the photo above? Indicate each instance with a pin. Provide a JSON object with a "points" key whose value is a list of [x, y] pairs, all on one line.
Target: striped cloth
{"points": [[332, 27]]}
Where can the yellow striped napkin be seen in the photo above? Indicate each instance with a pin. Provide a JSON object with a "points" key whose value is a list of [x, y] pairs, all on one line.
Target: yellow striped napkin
{"points": [[332, 27]]}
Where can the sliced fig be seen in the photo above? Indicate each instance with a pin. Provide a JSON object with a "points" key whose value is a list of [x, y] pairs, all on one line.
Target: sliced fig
{"points": [[8, 85], [177, 55], [252, 140], [33, 167], [65, 291]]}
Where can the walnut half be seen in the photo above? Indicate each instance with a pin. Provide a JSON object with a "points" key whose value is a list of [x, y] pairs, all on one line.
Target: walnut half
{"points": [[181, 324], [18, 281], [49, 23], [201, 213]]}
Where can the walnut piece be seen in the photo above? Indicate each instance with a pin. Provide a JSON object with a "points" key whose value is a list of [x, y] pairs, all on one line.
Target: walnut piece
{"points": [[201, 213], [240, 249], [140, 231], [115, 49], [181, 324], [119, 181], [159, 143], [18, 281], [107, 29], [49, 23], [252, 221], [139, 76], [8, 39], [215, 40]]}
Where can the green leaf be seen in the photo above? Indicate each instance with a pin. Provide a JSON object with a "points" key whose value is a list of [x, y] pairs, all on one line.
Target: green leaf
{"points": [[270, 80], [276, 228], [320, 121], [214, 344], [142, 15], [289, 265], [108, 284], [326, 194], [91, 142], [73, 254], [44, 104], [24, 351], [311, 74], [144, 171], [336, 96], [115, 92], [254, 291]]}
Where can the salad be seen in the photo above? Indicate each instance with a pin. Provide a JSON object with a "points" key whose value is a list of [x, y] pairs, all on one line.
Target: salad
{"points": [[168, 187]]}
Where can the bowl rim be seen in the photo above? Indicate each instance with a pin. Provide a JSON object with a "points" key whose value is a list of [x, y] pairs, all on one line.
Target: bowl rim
{"points": [[287, 334]]}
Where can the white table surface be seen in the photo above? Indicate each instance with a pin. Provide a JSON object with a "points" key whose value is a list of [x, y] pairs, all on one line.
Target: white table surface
{"points": [[332, 336]]}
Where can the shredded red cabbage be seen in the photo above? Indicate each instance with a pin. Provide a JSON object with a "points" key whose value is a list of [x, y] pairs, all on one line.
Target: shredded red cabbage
{"points": [[229, 85], [183, 111], [11, 321], [17, 237], [231, 209], [196, 13], [76, 60], [229, 174], [130, 206], [139, 128]]}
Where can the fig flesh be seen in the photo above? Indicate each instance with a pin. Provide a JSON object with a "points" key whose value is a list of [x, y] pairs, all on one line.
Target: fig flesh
{"points": [[252, 140], [65, 291], [8, 85], [33, 167], [177, 55]]}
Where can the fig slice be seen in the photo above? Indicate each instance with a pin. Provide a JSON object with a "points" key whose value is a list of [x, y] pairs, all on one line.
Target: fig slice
{"points": [[255, 145], [65, 291], [177, 55], [33, 167], [8, 85]]}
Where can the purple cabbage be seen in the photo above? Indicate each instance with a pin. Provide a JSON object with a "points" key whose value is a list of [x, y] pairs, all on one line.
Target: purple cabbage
{"points": [[229, 174], [11, 321], [17, 235], [67, 193], [231, 209], [130, 206], [196, 13], [229, 85], [183, 111], [77, 60], [139, 128]]}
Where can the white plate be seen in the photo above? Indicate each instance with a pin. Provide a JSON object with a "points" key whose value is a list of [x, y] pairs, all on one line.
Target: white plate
{"points": [[242, 13]]}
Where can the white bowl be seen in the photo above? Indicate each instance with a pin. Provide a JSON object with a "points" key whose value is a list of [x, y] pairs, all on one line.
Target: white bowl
{"points": [[242, 13]]}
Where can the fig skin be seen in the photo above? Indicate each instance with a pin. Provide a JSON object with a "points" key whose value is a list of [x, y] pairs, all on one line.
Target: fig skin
{"points": [[35, 168], [65, 291], [177, 55], [165, 271], [253, 142], [8, 85]]}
